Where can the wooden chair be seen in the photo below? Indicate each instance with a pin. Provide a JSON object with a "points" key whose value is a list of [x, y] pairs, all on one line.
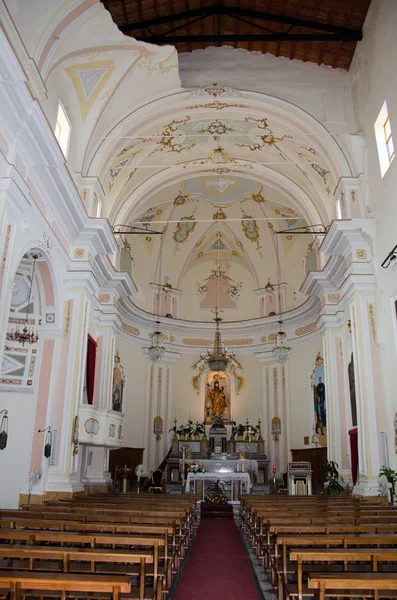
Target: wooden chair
{"points": [[156, 482]]}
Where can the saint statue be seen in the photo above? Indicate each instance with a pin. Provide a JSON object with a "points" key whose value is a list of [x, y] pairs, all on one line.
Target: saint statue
{"points": [[218, 400]]}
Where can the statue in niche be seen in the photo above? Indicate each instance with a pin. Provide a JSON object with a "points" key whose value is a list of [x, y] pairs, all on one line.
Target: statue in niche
{"points": [[217, 394], [118, 384]]}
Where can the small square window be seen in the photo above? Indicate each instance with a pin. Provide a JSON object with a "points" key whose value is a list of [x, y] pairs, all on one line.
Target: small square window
{"points": [[384, 139], [62, 129]]}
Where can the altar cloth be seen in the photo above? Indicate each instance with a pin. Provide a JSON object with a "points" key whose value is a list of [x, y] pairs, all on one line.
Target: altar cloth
{"points": [[242, 478], [226, 465]]}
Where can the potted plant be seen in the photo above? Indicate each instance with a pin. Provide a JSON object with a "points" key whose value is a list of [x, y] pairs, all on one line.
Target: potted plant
{"points": [[391, 477], [240, 432], [199, 430], [189, 429], [180, 432], [332, 480]]}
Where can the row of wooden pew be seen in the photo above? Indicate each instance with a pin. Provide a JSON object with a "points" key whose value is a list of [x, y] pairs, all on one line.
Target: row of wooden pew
{"points": [[325, 546], [113, 546]]}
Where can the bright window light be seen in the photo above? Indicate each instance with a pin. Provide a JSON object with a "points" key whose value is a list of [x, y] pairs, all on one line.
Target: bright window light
{"points": [[62, 129], [384, 139]]}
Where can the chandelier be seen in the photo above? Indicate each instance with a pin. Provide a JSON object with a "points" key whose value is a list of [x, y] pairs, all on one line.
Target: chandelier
{"points": [[27, 335], [156, 350], [217, 357], [281, 351]]}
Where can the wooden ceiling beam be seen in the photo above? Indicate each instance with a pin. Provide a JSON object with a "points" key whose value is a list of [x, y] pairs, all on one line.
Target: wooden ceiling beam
{"points": [[339, 33], [245, 37]]}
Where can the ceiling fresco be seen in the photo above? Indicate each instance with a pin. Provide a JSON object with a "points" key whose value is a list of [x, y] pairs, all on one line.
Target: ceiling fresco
{"points": [[202, 238]]}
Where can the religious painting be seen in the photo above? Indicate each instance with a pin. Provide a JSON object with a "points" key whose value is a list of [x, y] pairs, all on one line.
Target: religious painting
{"points": [[319, 401], [352, 389], [217, 397], [118, 384]]}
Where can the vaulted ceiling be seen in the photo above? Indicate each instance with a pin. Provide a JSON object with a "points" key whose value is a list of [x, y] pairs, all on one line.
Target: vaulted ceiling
{"points": [[322, 32]]}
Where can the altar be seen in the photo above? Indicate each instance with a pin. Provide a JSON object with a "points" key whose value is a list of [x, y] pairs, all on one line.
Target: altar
{"points": [[228, 465], [239, 483]]}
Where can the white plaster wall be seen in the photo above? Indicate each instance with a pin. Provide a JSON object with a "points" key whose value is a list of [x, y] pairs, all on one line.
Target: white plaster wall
{"points": [[374, 81], [322, 91], [300, 368], [15, 458], [134, 363]]}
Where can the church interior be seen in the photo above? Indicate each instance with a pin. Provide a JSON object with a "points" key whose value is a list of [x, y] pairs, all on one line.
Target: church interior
{"points": [[198, 266]]}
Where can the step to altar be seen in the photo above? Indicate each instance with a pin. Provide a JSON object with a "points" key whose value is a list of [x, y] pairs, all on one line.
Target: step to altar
{"points": [[210, 510]]}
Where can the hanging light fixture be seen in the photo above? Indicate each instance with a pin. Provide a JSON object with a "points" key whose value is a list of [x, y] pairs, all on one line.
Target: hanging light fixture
{"points": [[27, 335], [156, 350], [281, 351], [217, 357]]}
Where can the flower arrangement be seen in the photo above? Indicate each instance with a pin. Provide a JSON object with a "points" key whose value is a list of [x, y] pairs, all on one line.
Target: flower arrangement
{"points": [[195, 467], [218, 420], [199, 429], [216, 495]]}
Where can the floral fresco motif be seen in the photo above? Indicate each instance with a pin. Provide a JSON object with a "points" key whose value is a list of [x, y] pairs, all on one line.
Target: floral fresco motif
{"points": [[173, 138], [183, 229], [216, 129], [265, 136], [183, 198], [325, 174], [251, 230]]}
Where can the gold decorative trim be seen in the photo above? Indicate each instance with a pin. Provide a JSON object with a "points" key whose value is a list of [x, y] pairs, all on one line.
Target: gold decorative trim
{"points": [[79, 253], [361, 254], [372, 320], [68, 315], [129, 329], [104, 298], [333, 297], [305, 329]]}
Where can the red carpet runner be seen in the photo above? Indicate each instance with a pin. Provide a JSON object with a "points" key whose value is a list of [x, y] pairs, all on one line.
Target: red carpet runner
{"points": [[218, 567]]}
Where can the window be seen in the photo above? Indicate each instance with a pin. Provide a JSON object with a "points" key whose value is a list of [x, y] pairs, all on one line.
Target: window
{"points": [[62, 129], [389, 139], [384, 139]]}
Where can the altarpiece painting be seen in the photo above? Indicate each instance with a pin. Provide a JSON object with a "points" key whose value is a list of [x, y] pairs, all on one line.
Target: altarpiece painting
{"points": [[319, 401], [118, 384]]}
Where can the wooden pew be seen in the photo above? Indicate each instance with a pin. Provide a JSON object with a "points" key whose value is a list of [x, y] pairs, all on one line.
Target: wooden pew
{"points": [[81, 560], [369, 556], [357, 584], [81, 585]]}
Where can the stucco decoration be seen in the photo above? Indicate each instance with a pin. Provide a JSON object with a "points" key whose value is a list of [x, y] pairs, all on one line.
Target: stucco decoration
{"points": [[251, 231], [218, 289], [89, 79], [183, 229]]}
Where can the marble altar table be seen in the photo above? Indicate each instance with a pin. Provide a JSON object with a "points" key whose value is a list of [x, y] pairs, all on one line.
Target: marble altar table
{"points": [[241, 479]]}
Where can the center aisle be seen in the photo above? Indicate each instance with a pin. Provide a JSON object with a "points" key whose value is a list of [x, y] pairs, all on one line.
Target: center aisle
{"points": [[218, 567]]}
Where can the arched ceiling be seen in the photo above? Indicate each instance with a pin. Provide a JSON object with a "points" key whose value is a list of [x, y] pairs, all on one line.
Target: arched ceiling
{"points": [[217, 170]]}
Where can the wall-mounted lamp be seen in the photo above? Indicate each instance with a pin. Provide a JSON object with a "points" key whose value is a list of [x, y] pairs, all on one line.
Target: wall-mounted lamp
{"points": [[158, 428], [3, 429], [276, 428], [390, 257], [47, 442]]}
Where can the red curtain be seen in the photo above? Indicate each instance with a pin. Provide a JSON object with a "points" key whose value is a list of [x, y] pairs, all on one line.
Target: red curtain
{"points": [[90, 375], [354, 453]]}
